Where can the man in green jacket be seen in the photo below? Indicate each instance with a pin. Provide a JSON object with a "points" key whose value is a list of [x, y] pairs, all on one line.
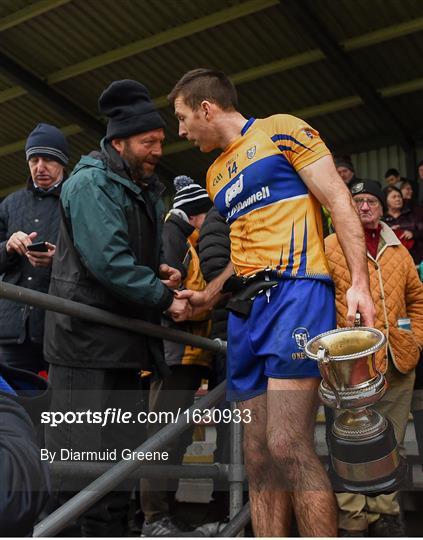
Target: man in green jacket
{"points": [[108, 256]]}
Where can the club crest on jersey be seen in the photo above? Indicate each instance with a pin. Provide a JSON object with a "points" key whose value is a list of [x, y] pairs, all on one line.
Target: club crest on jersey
{"points": [[308, 133], [251, 152], [301, 337]]}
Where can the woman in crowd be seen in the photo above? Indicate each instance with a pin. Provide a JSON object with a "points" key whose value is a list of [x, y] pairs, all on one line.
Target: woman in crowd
{"points": [[407, 193], [405, 221]]}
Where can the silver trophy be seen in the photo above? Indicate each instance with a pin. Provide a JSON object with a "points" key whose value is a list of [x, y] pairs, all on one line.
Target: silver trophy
{"points": [[362, 443]]}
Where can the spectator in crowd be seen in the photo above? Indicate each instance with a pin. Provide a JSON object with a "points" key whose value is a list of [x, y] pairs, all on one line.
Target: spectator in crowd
{"points": [[393, 178], [408, 192], [188, 364], [397, 293], [28, 216], [346, 170], [406, 189], [276, 238], [406, 222], [108, 256], [25, 480]]}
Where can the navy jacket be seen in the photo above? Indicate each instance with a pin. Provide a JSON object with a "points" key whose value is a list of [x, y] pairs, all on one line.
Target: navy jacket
{"points": [[26, 210]]}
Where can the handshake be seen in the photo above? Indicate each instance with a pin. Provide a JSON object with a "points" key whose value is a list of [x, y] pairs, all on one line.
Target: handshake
{"points": [[187, 304]]}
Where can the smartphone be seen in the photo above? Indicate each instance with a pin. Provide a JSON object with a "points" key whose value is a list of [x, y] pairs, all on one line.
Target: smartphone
{"points": [[38, 246]]}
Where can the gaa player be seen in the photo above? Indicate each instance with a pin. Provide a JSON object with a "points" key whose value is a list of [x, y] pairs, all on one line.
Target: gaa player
{"points": [[268, 183]]}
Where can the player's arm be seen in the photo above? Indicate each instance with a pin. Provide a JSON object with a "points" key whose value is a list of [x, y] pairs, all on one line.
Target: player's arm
{"points": [[324, 182], [208, 298]]}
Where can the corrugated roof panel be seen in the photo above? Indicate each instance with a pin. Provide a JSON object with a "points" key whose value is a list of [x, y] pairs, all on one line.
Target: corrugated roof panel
{"points": [[8, 7], [351, 18], [347, 126], [81, 30], [230, 46], [97, 27], [392, 62], [20, 116], [293, 90], [410, 108], [5, 83]]}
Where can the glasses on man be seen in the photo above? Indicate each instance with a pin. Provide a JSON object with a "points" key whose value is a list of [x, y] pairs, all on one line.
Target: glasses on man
{"points": [[359, 201]]}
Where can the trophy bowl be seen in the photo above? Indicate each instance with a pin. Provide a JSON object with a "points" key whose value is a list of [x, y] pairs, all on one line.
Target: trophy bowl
{"points": [[362, 443]]}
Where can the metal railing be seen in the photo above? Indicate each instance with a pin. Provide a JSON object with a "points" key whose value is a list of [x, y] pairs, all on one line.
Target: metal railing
{"points": [[113, 476]]}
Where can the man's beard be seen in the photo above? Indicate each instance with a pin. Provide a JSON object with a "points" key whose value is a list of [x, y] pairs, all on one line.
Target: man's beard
{"points": [[136, 168]]}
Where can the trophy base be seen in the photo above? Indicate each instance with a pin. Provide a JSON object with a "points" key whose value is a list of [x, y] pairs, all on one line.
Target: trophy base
{"points": [[367, 466], [391, 483]]}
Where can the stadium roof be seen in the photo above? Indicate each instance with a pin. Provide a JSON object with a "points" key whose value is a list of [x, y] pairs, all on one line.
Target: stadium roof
{"points": [[352, 68]]}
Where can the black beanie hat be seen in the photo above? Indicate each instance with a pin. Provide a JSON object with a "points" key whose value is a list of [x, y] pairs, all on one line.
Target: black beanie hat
{"points": [[368, 186], [47, 141], [129, 110], [190, 197]]}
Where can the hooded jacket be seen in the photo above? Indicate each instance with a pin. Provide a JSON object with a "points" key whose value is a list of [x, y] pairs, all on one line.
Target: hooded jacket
{"points": [[396, 291], [107, 256]]}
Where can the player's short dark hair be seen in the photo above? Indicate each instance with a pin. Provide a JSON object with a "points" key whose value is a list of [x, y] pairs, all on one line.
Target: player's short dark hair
{"points": [[202, 84]]}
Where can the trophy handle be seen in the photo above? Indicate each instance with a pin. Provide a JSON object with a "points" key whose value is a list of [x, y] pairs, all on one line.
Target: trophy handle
{"points": [[324, 365]]}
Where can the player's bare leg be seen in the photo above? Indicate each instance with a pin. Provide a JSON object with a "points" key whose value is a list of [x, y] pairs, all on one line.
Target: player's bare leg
{"points": [[270, 505], [291, 413]]}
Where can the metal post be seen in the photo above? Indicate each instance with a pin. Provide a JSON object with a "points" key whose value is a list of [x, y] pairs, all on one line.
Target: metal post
{"points": [[90, 313], [236, 469], [88, 470], [236, 524], [73, 508]]}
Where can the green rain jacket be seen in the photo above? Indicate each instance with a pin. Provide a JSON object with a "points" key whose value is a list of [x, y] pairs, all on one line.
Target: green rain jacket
{"points": [[107, 255]]}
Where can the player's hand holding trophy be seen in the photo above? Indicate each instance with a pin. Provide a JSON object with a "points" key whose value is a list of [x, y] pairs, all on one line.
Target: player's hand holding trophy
{"points": [[363, 448]]}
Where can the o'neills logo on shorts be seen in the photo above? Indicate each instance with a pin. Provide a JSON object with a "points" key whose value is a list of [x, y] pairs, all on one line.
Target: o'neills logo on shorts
{"points": [[264, 193]]}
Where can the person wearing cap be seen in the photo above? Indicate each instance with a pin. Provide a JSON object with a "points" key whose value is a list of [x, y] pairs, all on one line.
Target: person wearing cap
{"points": [[398, 296], [189, 365], [28, 216], [108, 256]]}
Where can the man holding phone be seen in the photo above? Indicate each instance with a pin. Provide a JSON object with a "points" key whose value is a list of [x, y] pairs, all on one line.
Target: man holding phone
{"points": [[29, 224]]}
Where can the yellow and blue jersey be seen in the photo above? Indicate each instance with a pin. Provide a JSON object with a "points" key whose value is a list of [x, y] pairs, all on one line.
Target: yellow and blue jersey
{"points": [[275, 221]]}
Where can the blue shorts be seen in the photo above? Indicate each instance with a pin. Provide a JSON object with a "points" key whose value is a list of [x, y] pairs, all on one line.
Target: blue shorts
{"points": [[270, 341]]}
